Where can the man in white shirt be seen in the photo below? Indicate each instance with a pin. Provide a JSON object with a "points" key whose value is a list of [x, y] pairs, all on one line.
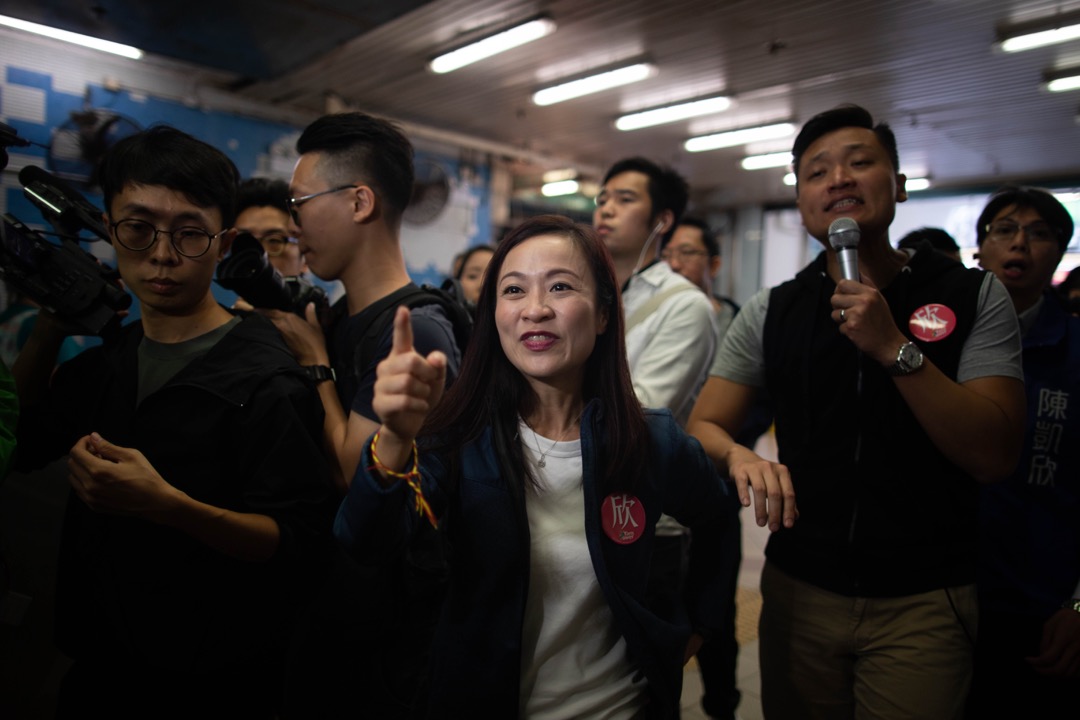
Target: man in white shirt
{"points": [[669, 338]]}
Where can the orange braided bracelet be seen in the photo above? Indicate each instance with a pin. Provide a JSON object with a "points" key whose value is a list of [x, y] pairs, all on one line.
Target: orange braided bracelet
{"points": [[411, 478]]}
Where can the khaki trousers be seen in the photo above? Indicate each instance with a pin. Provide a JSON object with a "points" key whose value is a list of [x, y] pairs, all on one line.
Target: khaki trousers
{"points": [[828, 656]]}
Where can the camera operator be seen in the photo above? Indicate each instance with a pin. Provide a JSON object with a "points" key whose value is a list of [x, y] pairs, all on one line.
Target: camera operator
{"points": [[263, 213], [201, 502]]}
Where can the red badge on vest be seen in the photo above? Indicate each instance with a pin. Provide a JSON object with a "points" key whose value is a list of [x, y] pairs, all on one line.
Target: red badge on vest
{"points": [[623, 518], [932, 322]]}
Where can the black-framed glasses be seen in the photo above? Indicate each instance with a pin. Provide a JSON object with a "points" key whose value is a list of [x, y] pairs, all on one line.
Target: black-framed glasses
{"points": [[1005, 231], [296, 202], [139, 235], [275, 243]]}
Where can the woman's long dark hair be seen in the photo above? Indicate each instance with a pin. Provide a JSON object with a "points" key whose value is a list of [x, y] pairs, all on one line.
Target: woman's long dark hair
{"points": [[490, 391]]}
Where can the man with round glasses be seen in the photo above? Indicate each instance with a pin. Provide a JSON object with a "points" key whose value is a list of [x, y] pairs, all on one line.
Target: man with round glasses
{"points": [[201, 498]]}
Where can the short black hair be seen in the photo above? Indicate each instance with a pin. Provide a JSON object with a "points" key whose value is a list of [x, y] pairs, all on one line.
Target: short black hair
{"points": [[162, 155], [1041, 201], [359, 147], [843, 116], [708, 237], [668, 190], [263, 192], [938, 239]]}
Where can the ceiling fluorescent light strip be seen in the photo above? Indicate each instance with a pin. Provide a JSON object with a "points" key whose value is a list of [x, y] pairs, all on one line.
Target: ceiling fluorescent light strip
{"points": [[560, 187], [672, 113], [739, 137], [1039, 33], [493, 45], [593, 83], [916, 184], [767, 160], [74, 38], [1062, 81]]}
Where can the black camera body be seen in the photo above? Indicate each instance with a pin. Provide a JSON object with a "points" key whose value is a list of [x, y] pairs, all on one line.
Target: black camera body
{"points": [[248, 272], [64, 279]]}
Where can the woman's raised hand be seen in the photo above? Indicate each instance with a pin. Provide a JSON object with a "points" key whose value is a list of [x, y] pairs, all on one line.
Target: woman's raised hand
{"points": [[407, 385]]}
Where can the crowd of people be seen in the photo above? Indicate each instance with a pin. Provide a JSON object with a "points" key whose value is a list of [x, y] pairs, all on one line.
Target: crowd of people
{"points": [[355, 511]]}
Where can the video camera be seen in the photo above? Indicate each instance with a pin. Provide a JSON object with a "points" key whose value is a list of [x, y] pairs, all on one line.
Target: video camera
{"points": [[248, 272], [63, 278]]}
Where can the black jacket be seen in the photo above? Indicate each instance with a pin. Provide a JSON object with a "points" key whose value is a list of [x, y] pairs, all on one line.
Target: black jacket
{"points": [[239, 428]]}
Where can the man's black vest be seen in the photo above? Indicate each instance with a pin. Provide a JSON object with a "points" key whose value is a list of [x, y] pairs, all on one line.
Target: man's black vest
{"points": [[882, 511]]}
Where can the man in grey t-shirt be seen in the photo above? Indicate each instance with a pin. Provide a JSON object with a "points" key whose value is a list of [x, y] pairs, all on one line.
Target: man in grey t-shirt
{"points": [[894, 394]]}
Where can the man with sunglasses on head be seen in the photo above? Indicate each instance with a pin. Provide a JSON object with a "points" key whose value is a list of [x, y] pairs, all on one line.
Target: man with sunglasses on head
{"points": [[350, 188], [200, 492]]}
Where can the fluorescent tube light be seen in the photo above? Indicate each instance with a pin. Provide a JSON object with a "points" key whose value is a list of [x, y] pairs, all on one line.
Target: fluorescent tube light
{"points": [[603, 80], [493, 44], [768, 160], [84, 40], [557, 175], [917, 184], [1062, 80], [562, 187], [672, 113], [739, 137], [1038, 33], [790, 180]]}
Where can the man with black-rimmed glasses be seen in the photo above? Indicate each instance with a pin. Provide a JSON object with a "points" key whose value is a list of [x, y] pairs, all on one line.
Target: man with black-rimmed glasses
{"points": [[201, 495], [350, 188]]}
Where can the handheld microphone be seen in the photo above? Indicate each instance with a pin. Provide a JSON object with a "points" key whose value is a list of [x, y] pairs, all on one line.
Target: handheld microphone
{"points": [[844, 237], [62, 205]]}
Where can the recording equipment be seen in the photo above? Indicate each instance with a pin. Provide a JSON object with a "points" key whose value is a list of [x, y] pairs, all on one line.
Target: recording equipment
{"points": [[60, 277], [64, 207], [844, 237], [63, 279], [248, 272]]}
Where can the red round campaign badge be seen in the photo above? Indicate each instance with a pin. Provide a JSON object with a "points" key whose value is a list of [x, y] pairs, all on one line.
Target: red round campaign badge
{"points": [[623, 518], [932, 322]]}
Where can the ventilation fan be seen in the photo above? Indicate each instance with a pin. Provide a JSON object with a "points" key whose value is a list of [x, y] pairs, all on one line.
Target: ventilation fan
{"points": [[79, 143], [430, 193]]}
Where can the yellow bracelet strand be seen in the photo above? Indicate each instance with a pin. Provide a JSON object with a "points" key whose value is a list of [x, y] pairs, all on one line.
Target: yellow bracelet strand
{"points": [[411, 478]]}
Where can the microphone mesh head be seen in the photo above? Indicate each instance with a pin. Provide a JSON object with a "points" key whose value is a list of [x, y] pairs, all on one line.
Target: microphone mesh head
{"points": [[844, 233]]}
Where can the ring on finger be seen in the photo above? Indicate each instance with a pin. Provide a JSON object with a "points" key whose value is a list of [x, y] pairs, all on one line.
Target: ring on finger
{"points": [[843, 314]]}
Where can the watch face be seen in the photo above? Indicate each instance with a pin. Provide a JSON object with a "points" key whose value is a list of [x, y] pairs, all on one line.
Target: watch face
{"points": [[910, 356]]}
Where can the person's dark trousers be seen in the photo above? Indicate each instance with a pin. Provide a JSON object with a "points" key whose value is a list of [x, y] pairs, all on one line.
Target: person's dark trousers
{"points": [[667, 575], [718, 657]]}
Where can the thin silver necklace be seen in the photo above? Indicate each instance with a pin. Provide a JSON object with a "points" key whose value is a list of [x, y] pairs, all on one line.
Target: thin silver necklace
{"points": [[536, 440]]}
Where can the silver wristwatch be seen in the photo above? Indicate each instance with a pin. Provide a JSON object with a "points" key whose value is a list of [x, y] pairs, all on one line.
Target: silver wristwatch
{"points": [[909, 359]]}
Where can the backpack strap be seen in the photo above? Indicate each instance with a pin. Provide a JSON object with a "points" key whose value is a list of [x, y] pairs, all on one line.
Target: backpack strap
{"points": [[380, 316], [652, 304], [412, 296]]}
